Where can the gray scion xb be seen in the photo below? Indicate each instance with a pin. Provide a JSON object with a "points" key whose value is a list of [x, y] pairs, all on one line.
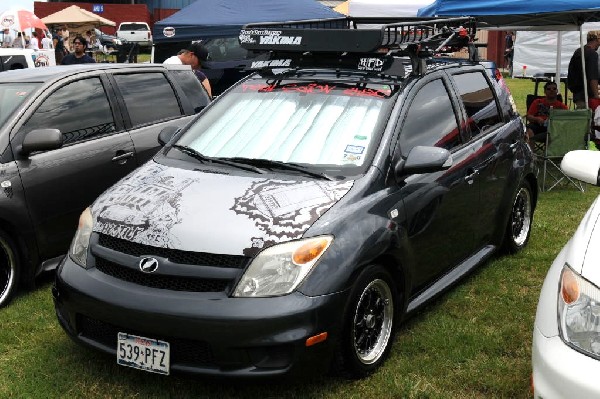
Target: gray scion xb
{"points": [[306, 211]]}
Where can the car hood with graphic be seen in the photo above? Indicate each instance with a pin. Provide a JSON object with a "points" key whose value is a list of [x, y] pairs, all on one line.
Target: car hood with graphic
{"points": [[197, 211]]}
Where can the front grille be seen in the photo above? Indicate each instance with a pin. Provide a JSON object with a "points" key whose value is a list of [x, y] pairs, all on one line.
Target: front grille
{"points": [[182, 351], [174, 255], [174, 283]]}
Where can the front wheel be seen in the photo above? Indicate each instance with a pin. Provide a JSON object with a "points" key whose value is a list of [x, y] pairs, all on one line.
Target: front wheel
{"points": [[9, 270], [368, 331], [520, 221]]}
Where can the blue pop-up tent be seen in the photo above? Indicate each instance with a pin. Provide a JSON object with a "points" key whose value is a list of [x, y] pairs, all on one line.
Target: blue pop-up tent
{"points": [[522, 15], [513, 14], [206, 19]]}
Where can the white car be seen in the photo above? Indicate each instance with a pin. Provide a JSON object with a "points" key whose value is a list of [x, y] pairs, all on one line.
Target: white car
{"points": [[566, 335]]}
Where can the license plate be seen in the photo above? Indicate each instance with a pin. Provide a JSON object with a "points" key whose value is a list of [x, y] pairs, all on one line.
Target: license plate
{"points": [[143, 353]]}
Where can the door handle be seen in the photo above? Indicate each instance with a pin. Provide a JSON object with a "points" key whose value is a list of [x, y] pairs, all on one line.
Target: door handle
{"points": [[122, 157], [469, 178]]}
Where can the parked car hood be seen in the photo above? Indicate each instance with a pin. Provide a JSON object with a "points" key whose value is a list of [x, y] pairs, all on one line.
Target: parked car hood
{"points": [[194, 210], [583, 251]]}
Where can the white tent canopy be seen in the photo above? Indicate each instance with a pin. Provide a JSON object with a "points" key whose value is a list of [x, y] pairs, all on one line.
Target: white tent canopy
{"points": [[382, 8], [537, 51]]}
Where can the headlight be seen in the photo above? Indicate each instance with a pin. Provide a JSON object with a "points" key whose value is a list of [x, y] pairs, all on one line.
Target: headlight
{"points": [[278, 270], [579, 312], [117, 42], [81, 241]]}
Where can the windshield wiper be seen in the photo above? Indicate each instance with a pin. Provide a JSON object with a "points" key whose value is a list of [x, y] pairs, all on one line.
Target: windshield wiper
{"points": [[269, 163], [203, 158]]}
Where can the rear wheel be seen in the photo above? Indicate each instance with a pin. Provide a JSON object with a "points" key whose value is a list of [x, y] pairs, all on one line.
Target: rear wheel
{"points": [[368, 331], [9, 270], [518, 229]]}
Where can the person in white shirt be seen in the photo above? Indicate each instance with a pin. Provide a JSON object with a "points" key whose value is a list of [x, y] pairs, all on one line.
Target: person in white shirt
{"points": [[46, 41], [33, 42], [7, 38]]}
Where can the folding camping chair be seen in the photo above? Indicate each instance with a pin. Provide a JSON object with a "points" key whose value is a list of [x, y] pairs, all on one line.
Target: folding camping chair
{"points": [[567, 130]]}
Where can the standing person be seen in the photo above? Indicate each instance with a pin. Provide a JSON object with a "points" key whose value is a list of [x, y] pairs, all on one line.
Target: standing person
{"points": [[59, 46], [18, 42], [65, 35], [193, 56], [539, 110], [46, 41], [575, 75], [508, 51], [34, 42], [78, 56], [7, 38]]}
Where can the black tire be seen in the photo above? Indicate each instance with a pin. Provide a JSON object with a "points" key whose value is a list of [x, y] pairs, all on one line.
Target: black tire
{"points": [[9, 270], [520, 220], [368, 325]]}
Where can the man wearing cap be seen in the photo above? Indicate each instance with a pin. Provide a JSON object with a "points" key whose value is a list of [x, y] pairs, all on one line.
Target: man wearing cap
{"points": [[193, 56], [575, 76]]}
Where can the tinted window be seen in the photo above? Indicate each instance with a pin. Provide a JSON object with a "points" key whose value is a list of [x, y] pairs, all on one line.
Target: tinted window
{"points": [[479, 101], [149, 97], [12, 95], [430, 120], [225, 49], [134, 27], [192, 88], [13, 62], [80, 110]]}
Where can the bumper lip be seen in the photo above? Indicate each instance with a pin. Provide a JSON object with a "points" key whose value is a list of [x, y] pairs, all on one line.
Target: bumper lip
{"points": [[560, 371], [234, 328]]}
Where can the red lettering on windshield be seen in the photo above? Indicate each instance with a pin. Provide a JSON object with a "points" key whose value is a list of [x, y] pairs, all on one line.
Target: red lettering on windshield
{"points": [[366, 92], [309, 88]]}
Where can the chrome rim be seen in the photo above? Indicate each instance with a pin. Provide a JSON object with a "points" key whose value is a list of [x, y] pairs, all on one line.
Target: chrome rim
{"points": [[7, 273], [521, 217], [373, 320]]}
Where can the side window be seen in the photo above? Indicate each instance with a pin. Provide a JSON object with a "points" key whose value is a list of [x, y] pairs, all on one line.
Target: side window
{"points": [[478, 99], [10, 62], [192, 88], [149, 97], [430, 120], [80, 110]]}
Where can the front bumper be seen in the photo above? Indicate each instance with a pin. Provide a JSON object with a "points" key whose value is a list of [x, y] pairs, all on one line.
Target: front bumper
{"points": [[562, 372], [209, 333]]}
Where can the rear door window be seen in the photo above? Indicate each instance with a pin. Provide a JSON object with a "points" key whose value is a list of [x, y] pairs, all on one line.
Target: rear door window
{"points": [[134, 27], [149, 97], [10, 62], [479, 101], [80, 109]]}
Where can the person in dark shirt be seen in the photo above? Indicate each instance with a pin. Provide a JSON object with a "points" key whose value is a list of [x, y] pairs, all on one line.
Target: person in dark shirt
{"points": [[59, 46], [78, 56], [575, 76]]}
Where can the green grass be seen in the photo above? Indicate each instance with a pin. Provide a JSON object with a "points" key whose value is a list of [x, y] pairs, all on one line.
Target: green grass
{"points": [[473, 342]]}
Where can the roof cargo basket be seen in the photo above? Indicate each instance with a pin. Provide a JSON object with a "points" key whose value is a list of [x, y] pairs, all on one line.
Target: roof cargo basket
{"points": [[416, 38]]}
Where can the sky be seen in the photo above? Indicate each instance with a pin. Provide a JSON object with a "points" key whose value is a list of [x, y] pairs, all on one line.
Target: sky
{"points": [[19, 4]]}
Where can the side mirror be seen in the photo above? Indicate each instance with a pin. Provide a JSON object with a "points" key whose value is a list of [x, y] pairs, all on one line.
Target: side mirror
{"points": [[422, 159], [41, 140], [582, 165], [167, 133]]}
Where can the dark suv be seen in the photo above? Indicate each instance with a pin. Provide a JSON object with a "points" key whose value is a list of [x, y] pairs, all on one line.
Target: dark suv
{"points": [[66, 135], [308, 210]]}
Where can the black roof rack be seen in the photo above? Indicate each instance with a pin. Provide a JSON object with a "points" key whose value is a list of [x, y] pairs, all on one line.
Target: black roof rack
{"points": [[367, 44]]}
